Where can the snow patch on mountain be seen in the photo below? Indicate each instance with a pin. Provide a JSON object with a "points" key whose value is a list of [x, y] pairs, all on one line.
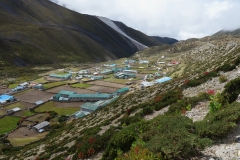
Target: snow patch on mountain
{"points": [[107, 21]]}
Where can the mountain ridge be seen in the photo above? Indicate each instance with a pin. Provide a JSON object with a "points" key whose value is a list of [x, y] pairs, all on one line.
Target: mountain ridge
{"points": [[49, 33]]}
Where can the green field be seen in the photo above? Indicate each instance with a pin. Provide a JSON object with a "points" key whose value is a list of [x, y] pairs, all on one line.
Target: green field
{"points": [[39, 117], [81, 85], [11, 86], [50, 106], [27, 140], [15, 105], [8, 123], [53, 84], [2, 112], [115, 80], [27, 113]]}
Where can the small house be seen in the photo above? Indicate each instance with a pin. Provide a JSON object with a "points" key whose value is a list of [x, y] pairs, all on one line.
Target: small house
{"points": [[129, 61], [146, 84], [174, 62], [61, 76], [124, 75], [121, 91], [161, 80], [79, 114], [39, 87], [143, 62], [41, 127], [4, 98], [14, 110], [130, 71], [39, 102], [25, 84], [96, 77], [106, 72]]}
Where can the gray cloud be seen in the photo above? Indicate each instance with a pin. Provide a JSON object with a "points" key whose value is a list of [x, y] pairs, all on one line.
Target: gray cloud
{"points": [[179, 19]]}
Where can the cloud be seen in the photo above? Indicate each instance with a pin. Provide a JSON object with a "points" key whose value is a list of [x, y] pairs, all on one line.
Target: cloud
{"points": [[179, 19]]}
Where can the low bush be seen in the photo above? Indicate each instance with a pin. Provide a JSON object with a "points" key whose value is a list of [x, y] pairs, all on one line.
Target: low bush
{"points": [[123, 140], [167, 99], [147, 110], [218, 124], [232, 90], [226, 67], [174, 137], [222, 79]]}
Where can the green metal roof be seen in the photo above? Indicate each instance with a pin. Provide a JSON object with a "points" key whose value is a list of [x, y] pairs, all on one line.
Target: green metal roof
{"points": [[66, 92], [91, 95], [90, 106], [123, 90], [56, 95]]}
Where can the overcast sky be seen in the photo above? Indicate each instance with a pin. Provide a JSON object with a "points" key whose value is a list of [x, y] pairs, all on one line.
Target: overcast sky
{"points": [[180, 19]]}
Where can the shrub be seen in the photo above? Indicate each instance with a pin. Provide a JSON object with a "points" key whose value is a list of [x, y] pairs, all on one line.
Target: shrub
{"points": [[218, 124], [226, 67], [147, 110], [232, 90], [168, 98], [173, 137], [214, 104], [123, 140], [210, 92], [222, 79]]}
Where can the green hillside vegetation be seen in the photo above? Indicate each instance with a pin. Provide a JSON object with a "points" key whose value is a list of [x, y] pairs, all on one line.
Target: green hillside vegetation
{"points": [[42, 32]]}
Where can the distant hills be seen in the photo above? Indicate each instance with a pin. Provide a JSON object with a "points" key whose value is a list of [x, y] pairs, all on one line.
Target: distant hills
{"points": [[226, 32], [42, 32]]}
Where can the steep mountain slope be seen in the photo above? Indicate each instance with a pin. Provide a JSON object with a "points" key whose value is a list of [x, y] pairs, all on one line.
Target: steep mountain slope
{"points": [[165, 40], [40, 32]]}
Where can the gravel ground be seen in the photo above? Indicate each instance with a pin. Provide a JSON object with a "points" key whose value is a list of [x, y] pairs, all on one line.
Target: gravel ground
{"points": [[213, 84], [198, 112], [227, 149], [156, 113]]}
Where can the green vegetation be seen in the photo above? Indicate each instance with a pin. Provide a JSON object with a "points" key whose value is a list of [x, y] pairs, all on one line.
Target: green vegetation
{"points": [[2, 112], [39, 117], [8, 123], [27, 113], [222, 78], [15, 105], [203, 78], [232, 90], [50, 106], [114, 80], [53, 84], [11, 86], [41, 80], [174, 140], [23, 141], [215, 105], [81, 85], [218, 124]]}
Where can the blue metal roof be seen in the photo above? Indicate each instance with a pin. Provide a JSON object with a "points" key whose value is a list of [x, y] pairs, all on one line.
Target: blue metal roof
{"points": [[161, 80], [66, 92], [5, 97]]}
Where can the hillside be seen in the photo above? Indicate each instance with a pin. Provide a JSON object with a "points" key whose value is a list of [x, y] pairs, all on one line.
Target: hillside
{"points": [[135, 123], [42, 32], [165, 40], [235, 32]]}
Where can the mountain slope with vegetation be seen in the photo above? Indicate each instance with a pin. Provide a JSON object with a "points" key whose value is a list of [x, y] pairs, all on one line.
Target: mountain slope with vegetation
{"points": [[42, 32], [123, 129]]}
